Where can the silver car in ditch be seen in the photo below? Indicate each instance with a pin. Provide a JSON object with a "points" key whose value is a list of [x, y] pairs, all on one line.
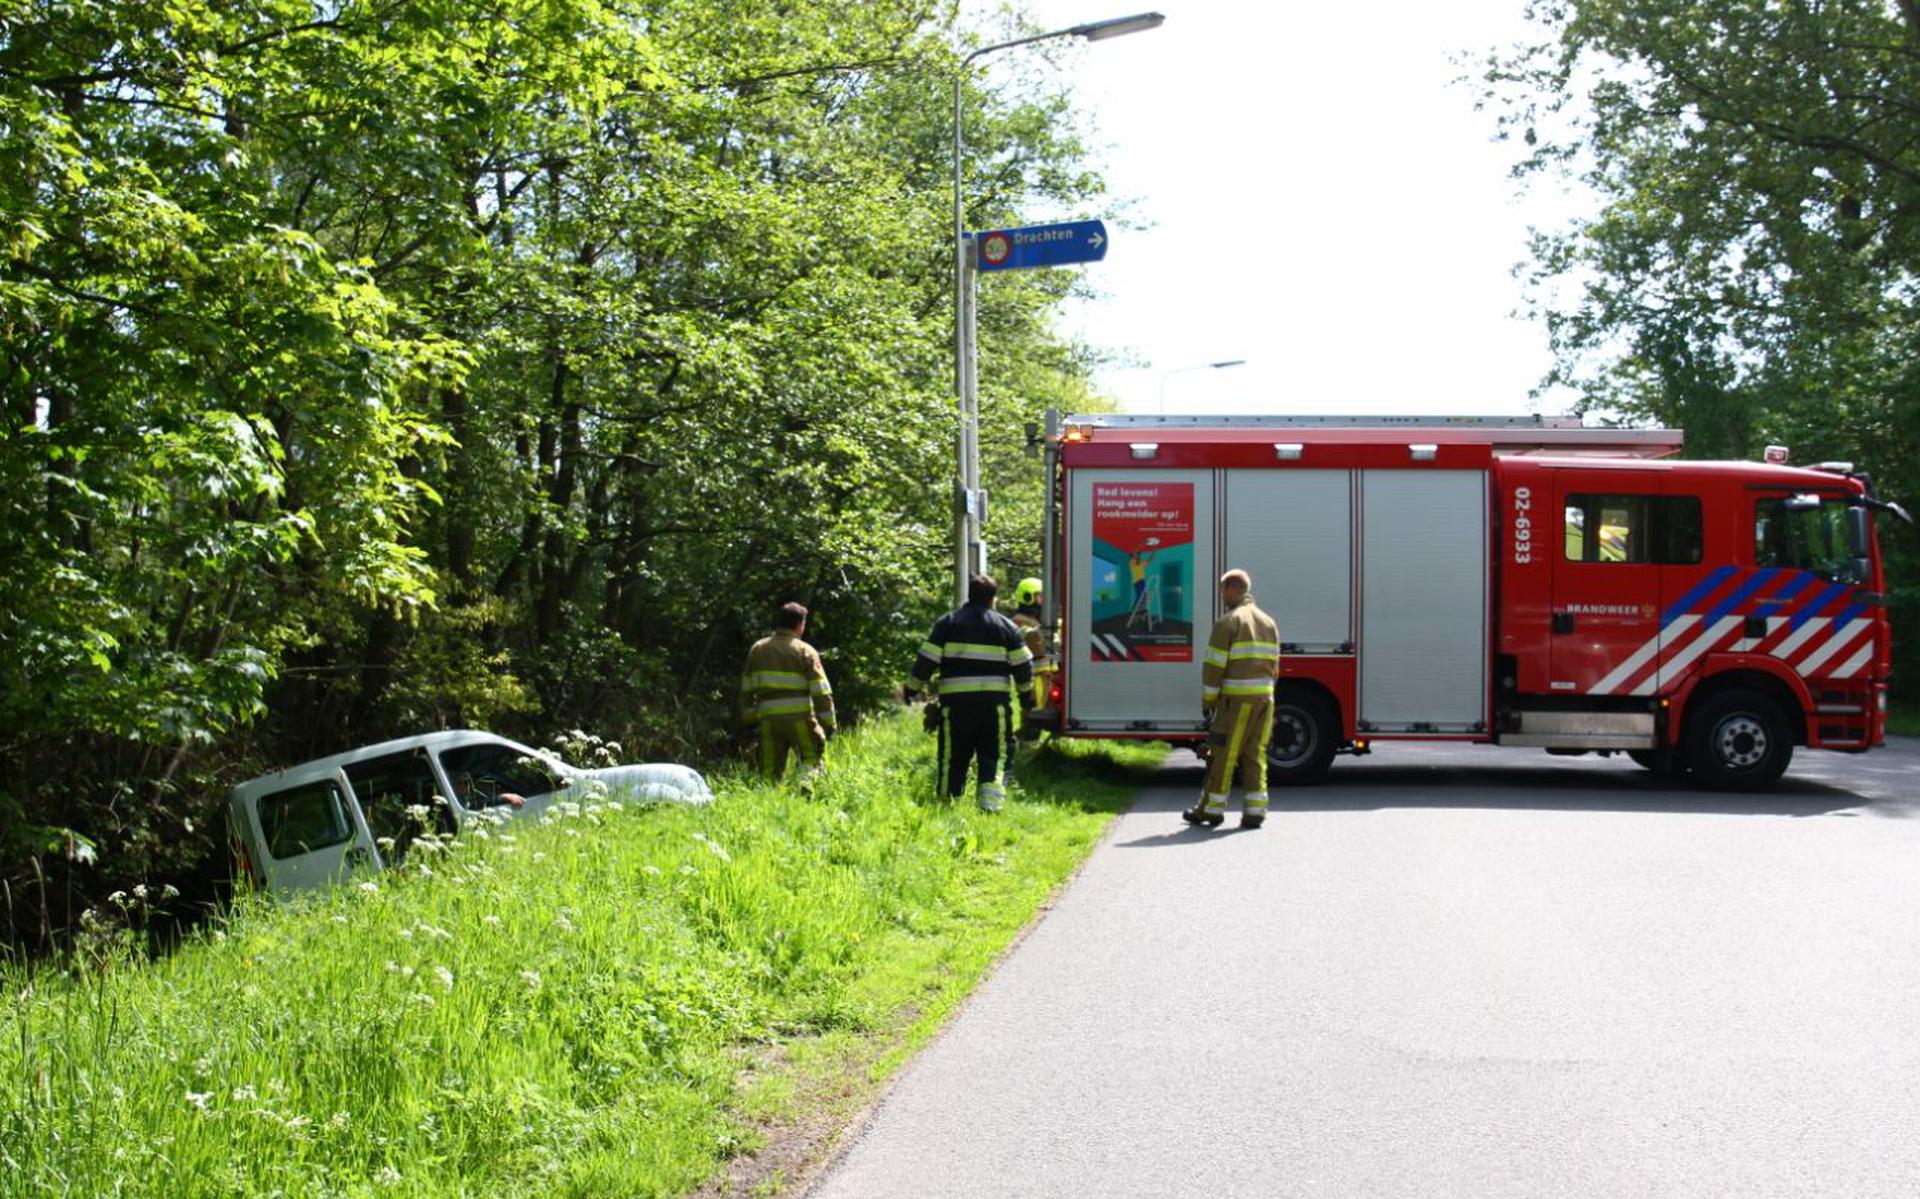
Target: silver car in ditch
{"points": [[311, 824]]}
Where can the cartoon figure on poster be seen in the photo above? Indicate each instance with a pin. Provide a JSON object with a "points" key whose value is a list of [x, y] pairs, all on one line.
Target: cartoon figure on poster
{"points": [[1143, 572]]}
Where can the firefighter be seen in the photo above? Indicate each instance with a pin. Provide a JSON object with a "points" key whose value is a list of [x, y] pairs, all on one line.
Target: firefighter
{"points": [[1236, 694], [1026, 618], [784, 690], [982, 663]]}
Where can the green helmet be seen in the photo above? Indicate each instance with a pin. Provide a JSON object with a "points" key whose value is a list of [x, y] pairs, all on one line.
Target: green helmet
{"points": [[1028, 592]]}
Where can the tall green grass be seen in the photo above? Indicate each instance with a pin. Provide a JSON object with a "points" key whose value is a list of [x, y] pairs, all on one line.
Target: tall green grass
{"points": [[553, 1009]]}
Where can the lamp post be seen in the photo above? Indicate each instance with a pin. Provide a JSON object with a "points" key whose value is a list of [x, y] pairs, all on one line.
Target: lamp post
{"points": [[968, 511], [1198, 366]]}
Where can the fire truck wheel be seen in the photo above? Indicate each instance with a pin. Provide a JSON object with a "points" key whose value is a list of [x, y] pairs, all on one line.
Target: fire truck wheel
{"points": [[1738, 740], [1666, 761], [1306, 732]]}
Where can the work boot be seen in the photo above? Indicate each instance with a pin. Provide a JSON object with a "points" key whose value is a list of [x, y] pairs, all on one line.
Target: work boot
{"points": [[1255, 813], [1199, 813], [990, 797]]}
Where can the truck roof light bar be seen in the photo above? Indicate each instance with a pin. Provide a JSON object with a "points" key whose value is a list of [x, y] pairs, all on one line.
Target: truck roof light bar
{"points": [[1424, 452], [1835, 468], [1287, 451]]}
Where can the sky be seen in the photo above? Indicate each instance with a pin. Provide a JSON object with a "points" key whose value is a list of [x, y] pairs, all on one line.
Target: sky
{"points": [[1319, 199]]}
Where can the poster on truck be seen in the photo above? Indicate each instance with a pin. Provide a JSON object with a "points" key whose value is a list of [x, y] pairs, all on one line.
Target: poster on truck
{"points": [[1143, 590]]}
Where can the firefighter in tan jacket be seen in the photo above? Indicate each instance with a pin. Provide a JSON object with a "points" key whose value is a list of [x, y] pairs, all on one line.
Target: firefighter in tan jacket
{"points": [[1236, 692], [785, 691]]}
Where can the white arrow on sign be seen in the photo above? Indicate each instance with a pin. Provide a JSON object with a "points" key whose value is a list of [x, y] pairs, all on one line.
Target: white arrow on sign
{"points": [[1096, 241]]}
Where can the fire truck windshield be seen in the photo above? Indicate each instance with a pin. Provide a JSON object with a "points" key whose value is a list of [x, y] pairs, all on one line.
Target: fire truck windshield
{"points": [[1824, 538]]}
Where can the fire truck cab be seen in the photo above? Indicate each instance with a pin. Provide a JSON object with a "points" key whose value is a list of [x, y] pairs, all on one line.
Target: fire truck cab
{"points": [[1510, 580]]}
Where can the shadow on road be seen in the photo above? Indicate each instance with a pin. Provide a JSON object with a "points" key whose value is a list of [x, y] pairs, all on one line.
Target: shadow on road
{"points": [[1570, 787]]}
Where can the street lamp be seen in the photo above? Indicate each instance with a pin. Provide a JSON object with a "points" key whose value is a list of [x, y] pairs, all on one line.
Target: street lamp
{"points": [[1198, 366], [966, 528]]}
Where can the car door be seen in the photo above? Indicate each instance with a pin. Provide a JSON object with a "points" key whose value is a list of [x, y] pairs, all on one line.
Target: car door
{"points": [[312, 833]]}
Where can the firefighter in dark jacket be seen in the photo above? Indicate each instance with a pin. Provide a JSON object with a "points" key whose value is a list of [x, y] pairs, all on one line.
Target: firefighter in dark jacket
{"points": [[982, 665]]}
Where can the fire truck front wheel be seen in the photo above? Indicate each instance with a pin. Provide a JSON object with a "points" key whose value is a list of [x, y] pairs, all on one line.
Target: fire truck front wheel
{"points": [[1306, 732], [1738, 740]]}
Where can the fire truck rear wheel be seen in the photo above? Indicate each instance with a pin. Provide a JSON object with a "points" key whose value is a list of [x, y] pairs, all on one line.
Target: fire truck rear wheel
{"points": [[1738, 740], [1306, 732]]}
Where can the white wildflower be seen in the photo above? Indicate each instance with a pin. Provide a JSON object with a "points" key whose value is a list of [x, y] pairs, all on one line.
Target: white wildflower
{"points": [[370, 888], [423, 999], [170, 891], [118, 899], [243, 1095], [490, 920], [539, 856], [438, 934], [199, 1099], [445, 976], [406, 934], [202, 1067], [386, 1176], [140, 891], [714, 847], [340, 1121], [531, 978], [563, 922]]}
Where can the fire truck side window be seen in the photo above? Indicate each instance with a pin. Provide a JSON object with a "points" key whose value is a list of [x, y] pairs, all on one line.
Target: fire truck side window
{"points": [[1633, 529]]}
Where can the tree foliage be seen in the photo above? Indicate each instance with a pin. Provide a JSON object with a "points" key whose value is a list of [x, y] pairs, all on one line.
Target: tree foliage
{"points": [[1751, 274], [373, 364]]}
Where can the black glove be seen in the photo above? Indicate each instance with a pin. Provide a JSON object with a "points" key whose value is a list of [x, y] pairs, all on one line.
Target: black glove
{"points": [[930, 717]]}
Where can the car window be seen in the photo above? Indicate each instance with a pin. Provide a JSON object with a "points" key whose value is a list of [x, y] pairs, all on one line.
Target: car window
{"points": [[401, 799], [303, 819], [481, 774]]}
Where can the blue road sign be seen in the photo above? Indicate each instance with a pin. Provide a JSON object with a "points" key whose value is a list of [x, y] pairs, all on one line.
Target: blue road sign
{"points": [[1041, 245]]}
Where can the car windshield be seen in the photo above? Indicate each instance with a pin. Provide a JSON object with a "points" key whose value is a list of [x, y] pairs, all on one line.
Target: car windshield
{"points": [[482, 775], [1797, 535]]}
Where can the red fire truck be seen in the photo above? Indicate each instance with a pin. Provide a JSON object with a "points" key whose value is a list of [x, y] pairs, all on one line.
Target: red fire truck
{"points": [[1515, 581]]}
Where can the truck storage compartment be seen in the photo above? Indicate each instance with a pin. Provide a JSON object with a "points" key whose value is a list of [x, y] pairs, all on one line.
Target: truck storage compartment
{"points": [[1292, 530], [1423, 601], [1140, 572]]}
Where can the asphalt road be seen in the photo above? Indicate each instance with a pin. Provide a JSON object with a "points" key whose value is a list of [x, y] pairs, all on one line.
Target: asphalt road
{"points": [[1450, 971]]}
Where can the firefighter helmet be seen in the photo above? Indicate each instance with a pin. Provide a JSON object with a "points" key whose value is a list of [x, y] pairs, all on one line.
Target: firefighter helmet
{"points": [[1028, 592]]}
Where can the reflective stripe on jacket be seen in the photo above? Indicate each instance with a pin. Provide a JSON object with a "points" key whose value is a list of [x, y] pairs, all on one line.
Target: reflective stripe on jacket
{"points": [[785, 677], [1243, 654], [977, 654]]}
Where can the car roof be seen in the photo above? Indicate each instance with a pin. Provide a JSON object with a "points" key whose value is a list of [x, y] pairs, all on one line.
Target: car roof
{"points": [[446, 739]]}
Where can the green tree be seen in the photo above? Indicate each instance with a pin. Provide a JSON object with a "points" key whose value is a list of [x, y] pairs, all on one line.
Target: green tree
{"points": [[373, 364]]}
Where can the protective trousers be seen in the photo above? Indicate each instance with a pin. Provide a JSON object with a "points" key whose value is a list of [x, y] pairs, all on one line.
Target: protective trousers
{"points": [[1242, 727], [799, 735], [975, 732]]}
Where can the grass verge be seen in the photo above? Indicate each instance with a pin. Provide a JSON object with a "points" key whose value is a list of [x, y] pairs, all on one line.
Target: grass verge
{"points": [[616, 1001], [1904, 719]]}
